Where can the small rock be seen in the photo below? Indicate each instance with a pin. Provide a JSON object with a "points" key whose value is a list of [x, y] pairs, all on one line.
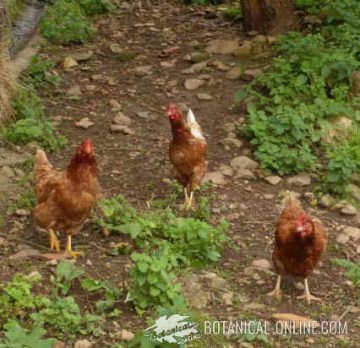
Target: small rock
{"points": [[245, 174], [348, 210], [143, 70], [244, 50], [261, 263], [69, 62], [327, 201], [121, 129], [83, 56], [216, 178], [234, 73], [126, 335], [354, 191], [229, 127], [352, 232], [204, 96], [121, 119], [116, 48], [59, 344], [231, 142], [269, 196], [197, 57], [273, 180], [223, 46], [83, 344], [254, 306], [74, 91], [22, 212], [192, 84], [250, 74], [84, 123], [342, 238], [226, 170], [227, 298], [299, 180], [143, 114], [25, 253], [220, 65], [115, 105], [244, 162]]}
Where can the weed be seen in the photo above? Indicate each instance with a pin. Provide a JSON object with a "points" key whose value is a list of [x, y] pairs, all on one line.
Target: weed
{"points": [[15, 8], [37, 73], [65, 273], [18, 337], [232, 12], [93, 7], [65, 23]]}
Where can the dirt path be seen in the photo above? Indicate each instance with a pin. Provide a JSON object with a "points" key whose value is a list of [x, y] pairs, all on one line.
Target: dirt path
{"points": [[142, 77]]}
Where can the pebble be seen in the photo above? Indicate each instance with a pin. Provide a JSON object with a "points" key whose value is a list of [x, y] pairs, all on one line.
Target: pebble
{"points": [[300, 180], [273, 180], [84, 123], [83, 344], [204, 96], [192, 84], [121, 119], [121, 129], [69, 62]]}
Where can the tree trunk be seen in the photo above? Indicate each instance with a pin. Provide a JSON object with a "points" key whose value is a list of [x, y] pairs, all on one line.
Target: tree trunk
{"points": [[269, 16]]}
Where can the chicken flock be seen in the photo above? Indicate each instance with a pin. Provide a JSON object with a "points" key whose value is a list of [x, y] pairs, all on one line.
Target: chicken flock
{"points": [[66, 199]]}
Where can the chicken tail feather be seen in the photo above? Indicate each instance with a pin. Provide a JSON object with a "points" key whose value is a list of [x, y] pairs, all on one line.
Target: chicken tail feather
{"points": [[42, 164]]}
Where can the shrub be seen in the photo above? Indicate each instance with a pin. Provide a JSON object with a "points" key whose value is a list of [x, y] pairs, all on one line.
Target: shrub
{"points": [[65, 23], [93, 7]]}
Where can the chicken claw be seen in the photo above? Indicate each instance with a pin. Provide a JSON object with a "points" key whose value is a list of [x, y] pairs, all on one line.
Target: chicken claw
{"points": [[69, 250], [277, 291], [54, 242], [307, 295]]}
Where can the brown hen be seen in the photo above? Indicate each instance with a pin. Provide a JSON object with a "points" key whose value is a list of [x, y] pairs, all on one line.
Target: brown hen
{"points": [[65, 199], [187, 151], [299, 243]]}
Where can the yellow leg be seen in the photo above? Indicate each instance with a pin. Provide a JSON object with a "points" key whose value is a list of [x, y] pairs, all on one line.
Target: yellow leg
{"points": [[69, 250], [184, 206], [277, 291], [188, 207], [54, 242], [307, 295]]}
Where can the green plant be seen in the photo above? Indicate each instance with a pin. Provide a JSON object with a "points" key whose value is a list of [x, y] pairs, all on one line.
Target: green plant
{"points": [[66, 272], [152, 279], [15, 8], [37, 73], [107, 289], [65, 23], [18, 337], [31, 124], [232, 12], [295, 103], [93, 7], [352, 272]]}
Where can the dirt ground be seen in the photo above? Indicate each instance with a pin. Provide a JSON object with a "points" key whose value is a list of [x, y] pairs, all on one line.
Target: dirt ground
{"points": [[136, 165]]}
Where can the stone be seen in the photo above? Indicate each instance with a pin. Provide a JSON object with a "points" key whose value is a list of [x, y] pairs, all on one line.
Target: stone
{"points": [[204, 96], [348, 210], [143, 114], [192, 84], [197, 57], [115, 105], [59, 344], [84, 123], [244, 51], [74, 91], [143, 70], [354, 191], [250, 74], [352, 232], [194, 292], [300, 180], [116, 128], [25, 253], [234, 73], [224, 47], [116, 48], [121, 119], [273, 180], [327, 201], [126, 335], [231, 142], [220, 65], [83, 344], [216, 178], [342, 238], [245, 174], [261, 263], [83, 56], [229, 127], [69, 62], [226, 170], [244, 162], [22, 212]]}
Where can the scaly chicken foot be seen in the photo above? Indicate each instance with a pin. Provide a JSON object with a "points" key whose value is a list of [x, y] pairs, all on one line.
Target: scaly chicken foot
{"points": [[186, 205], [69, 250], [307, 295], [54, 242], [277, 291]]}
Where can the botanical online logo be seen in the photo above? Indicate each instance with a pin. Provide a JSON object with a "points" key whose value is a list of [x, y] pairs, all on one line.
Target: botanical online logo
{"points": [[173, 329]]}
